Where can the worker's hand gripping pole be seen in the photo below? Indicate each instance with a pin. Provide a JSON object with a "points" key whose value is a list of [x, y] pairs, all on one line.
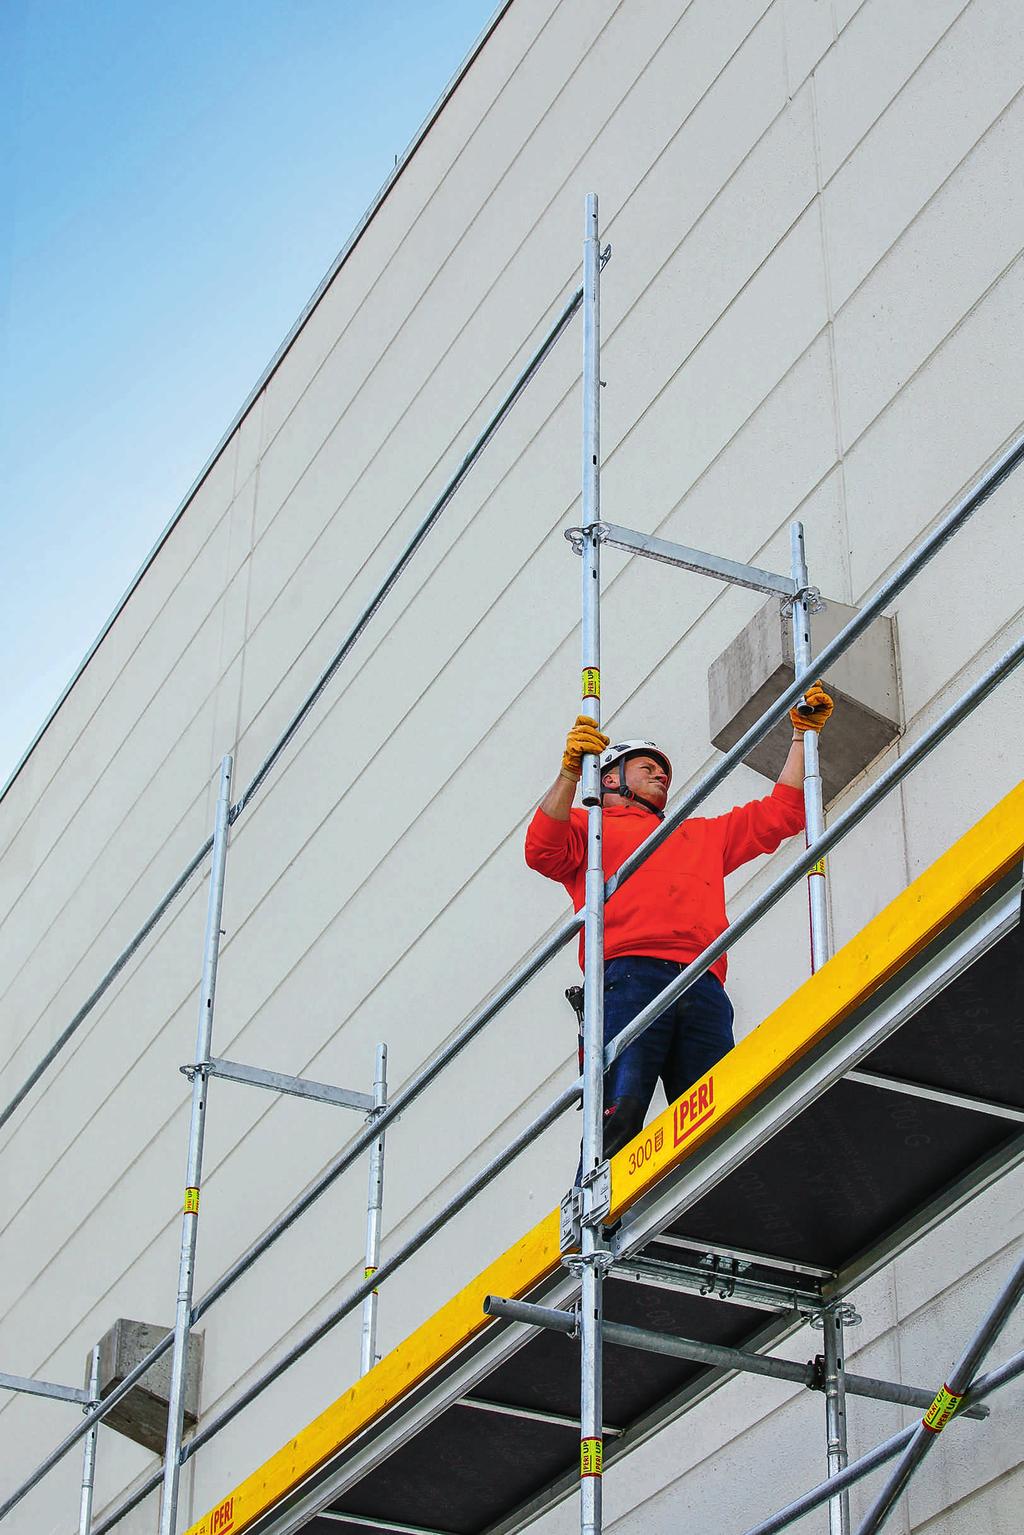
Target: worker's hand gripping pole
{"points": [[193, 1177], [591, 1393], [817, 891]]}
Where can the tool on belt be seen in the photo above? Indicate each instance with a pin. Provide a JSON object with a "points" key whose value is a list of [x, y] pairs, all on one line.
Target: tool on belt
{"points": [[574, 997]]}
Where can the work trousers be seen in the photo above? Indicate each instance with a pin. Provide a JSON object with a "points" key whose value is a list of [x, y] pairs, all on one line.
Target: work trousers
{"points": [[682, 1043]]}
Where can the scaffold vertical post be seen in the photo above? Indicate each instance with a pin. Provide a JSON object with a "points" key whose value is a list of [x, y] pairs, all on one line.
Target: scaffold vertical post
{"points": [[835, 1415], [591, 1390], [89, 1452], [817, 890], [194, 1173], [817, 905], [374, 1207]]}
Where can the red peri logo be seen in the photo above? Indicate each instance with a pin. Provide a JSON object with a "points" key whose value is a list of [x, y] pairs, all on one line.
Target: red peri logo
{"points": [[693, 1110], [223, 1517]]}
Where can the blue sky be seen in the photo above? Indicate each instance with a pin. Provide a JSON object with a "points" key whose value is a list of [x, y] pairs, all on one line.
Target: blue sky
{"points": [[174, 182]]}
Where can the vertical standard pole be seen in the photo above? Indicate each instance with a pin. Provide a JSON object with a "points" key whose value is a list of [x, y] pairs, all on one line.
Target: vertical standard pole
{"points": [[591, 1390], [835, 1416], [193, 1177], [374, 1205], [89, 1453], [946, 1402], [817, 904], [817, 897]]}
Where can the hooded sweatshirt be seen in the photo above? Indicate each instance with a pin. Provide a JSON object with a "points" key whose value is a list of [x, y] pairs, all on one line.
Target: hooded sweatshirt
{"points": [[674, 905]]}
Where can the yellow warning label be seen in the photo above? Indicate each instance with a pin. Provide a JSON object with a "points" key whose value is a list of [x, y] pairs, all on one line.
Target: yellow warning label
{"points": [[941, 1410], [817, 868], [191, 1201], [591, 682], [591, 1457], [366, 1274]]}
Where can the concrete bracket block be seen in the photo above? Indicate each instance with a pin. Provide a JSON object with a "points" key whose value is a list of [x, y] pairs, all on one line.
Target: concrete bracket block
{"points": [[142, 1415], [758, 665]]}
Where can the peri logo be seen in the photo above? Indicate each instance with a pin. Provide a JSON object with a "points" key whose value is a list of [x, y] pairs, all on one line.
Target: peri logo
{"points": [[693, 1110], [223, 1517]]}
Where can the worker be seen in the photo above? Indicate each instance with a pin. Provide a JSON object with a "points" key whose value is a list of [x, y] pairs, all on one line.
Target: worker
{"points": [[670, 910]]}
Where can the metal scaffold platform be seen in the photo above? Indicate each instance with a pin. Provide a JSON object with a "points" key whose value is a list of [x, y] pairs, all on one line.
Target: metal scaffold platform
{"points": [[850, 1122]]}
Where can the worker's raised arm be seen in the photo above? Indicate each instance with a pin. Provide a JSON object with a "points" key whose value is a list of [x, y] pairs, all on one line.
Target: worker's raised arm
{"points": [[792, 775], [764, 824], [555, 845], [557, 802]]}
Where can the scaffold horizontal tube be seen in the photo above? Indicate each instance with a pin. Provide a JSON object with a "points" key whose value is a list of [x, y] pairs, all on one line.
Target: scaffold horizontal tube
{"points": [[717, 1355], [32, 1387], [534, 1316]]}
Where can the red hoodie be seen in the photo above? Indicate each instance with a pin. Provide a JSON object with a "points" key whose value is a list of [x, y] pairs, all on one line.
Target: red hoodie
{"points": [[674, 905]]}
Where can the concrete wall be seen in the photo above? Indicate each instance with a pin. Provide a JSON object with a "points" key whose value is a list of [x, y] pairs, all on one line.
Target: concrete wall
{"points": [[813, 307]]}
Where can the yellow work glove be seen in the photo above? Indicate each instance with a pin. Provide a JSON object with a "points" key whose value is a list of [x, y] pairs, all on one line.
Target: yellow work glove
{"points": [[822, 706], [584, 737]]}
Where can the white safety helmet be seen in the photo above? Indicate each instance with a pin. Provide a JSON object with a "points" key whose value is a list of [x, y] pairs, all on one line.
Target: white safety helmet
{"points": [[618, 755], [623, 749]]}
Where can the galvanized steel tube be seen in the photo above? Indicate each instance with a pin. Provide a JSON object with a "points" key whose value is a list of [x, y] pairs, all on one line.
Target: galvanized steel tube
{"points": [[835, 1416], [591, 1279], [718, 1355], [89, 1453]]}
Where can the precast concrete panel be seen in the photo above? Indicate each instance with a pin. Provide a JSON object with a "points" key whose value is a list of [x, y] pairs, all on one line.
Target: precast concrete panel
{"points": [[812, 309]]}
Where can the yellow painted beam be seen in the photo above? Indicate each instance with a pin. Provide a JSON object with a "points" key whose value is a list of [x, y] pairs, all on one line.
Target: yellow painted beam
{"points": [[949, 886], [533, 1257]]}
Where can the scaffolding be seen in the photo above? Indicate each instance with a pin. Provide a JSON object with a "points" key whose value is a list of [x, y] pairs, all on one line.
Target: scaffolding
{"points": [[615, 1212]]}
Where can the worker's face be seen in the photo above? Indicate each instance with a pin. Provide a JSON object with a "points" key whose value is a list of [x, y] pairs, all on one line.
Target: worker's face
{"points": [[647, 777]]}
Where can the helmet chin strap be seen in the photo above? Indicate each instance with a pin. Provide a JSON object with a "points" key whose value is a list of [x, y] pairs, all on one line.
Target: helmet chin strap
{"points": [[628, 793]]}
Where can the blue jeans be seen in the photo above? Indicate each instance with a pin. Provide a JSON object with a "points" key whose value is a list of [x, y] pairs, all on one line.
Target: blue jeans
{"points": [[684, 1042]]}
